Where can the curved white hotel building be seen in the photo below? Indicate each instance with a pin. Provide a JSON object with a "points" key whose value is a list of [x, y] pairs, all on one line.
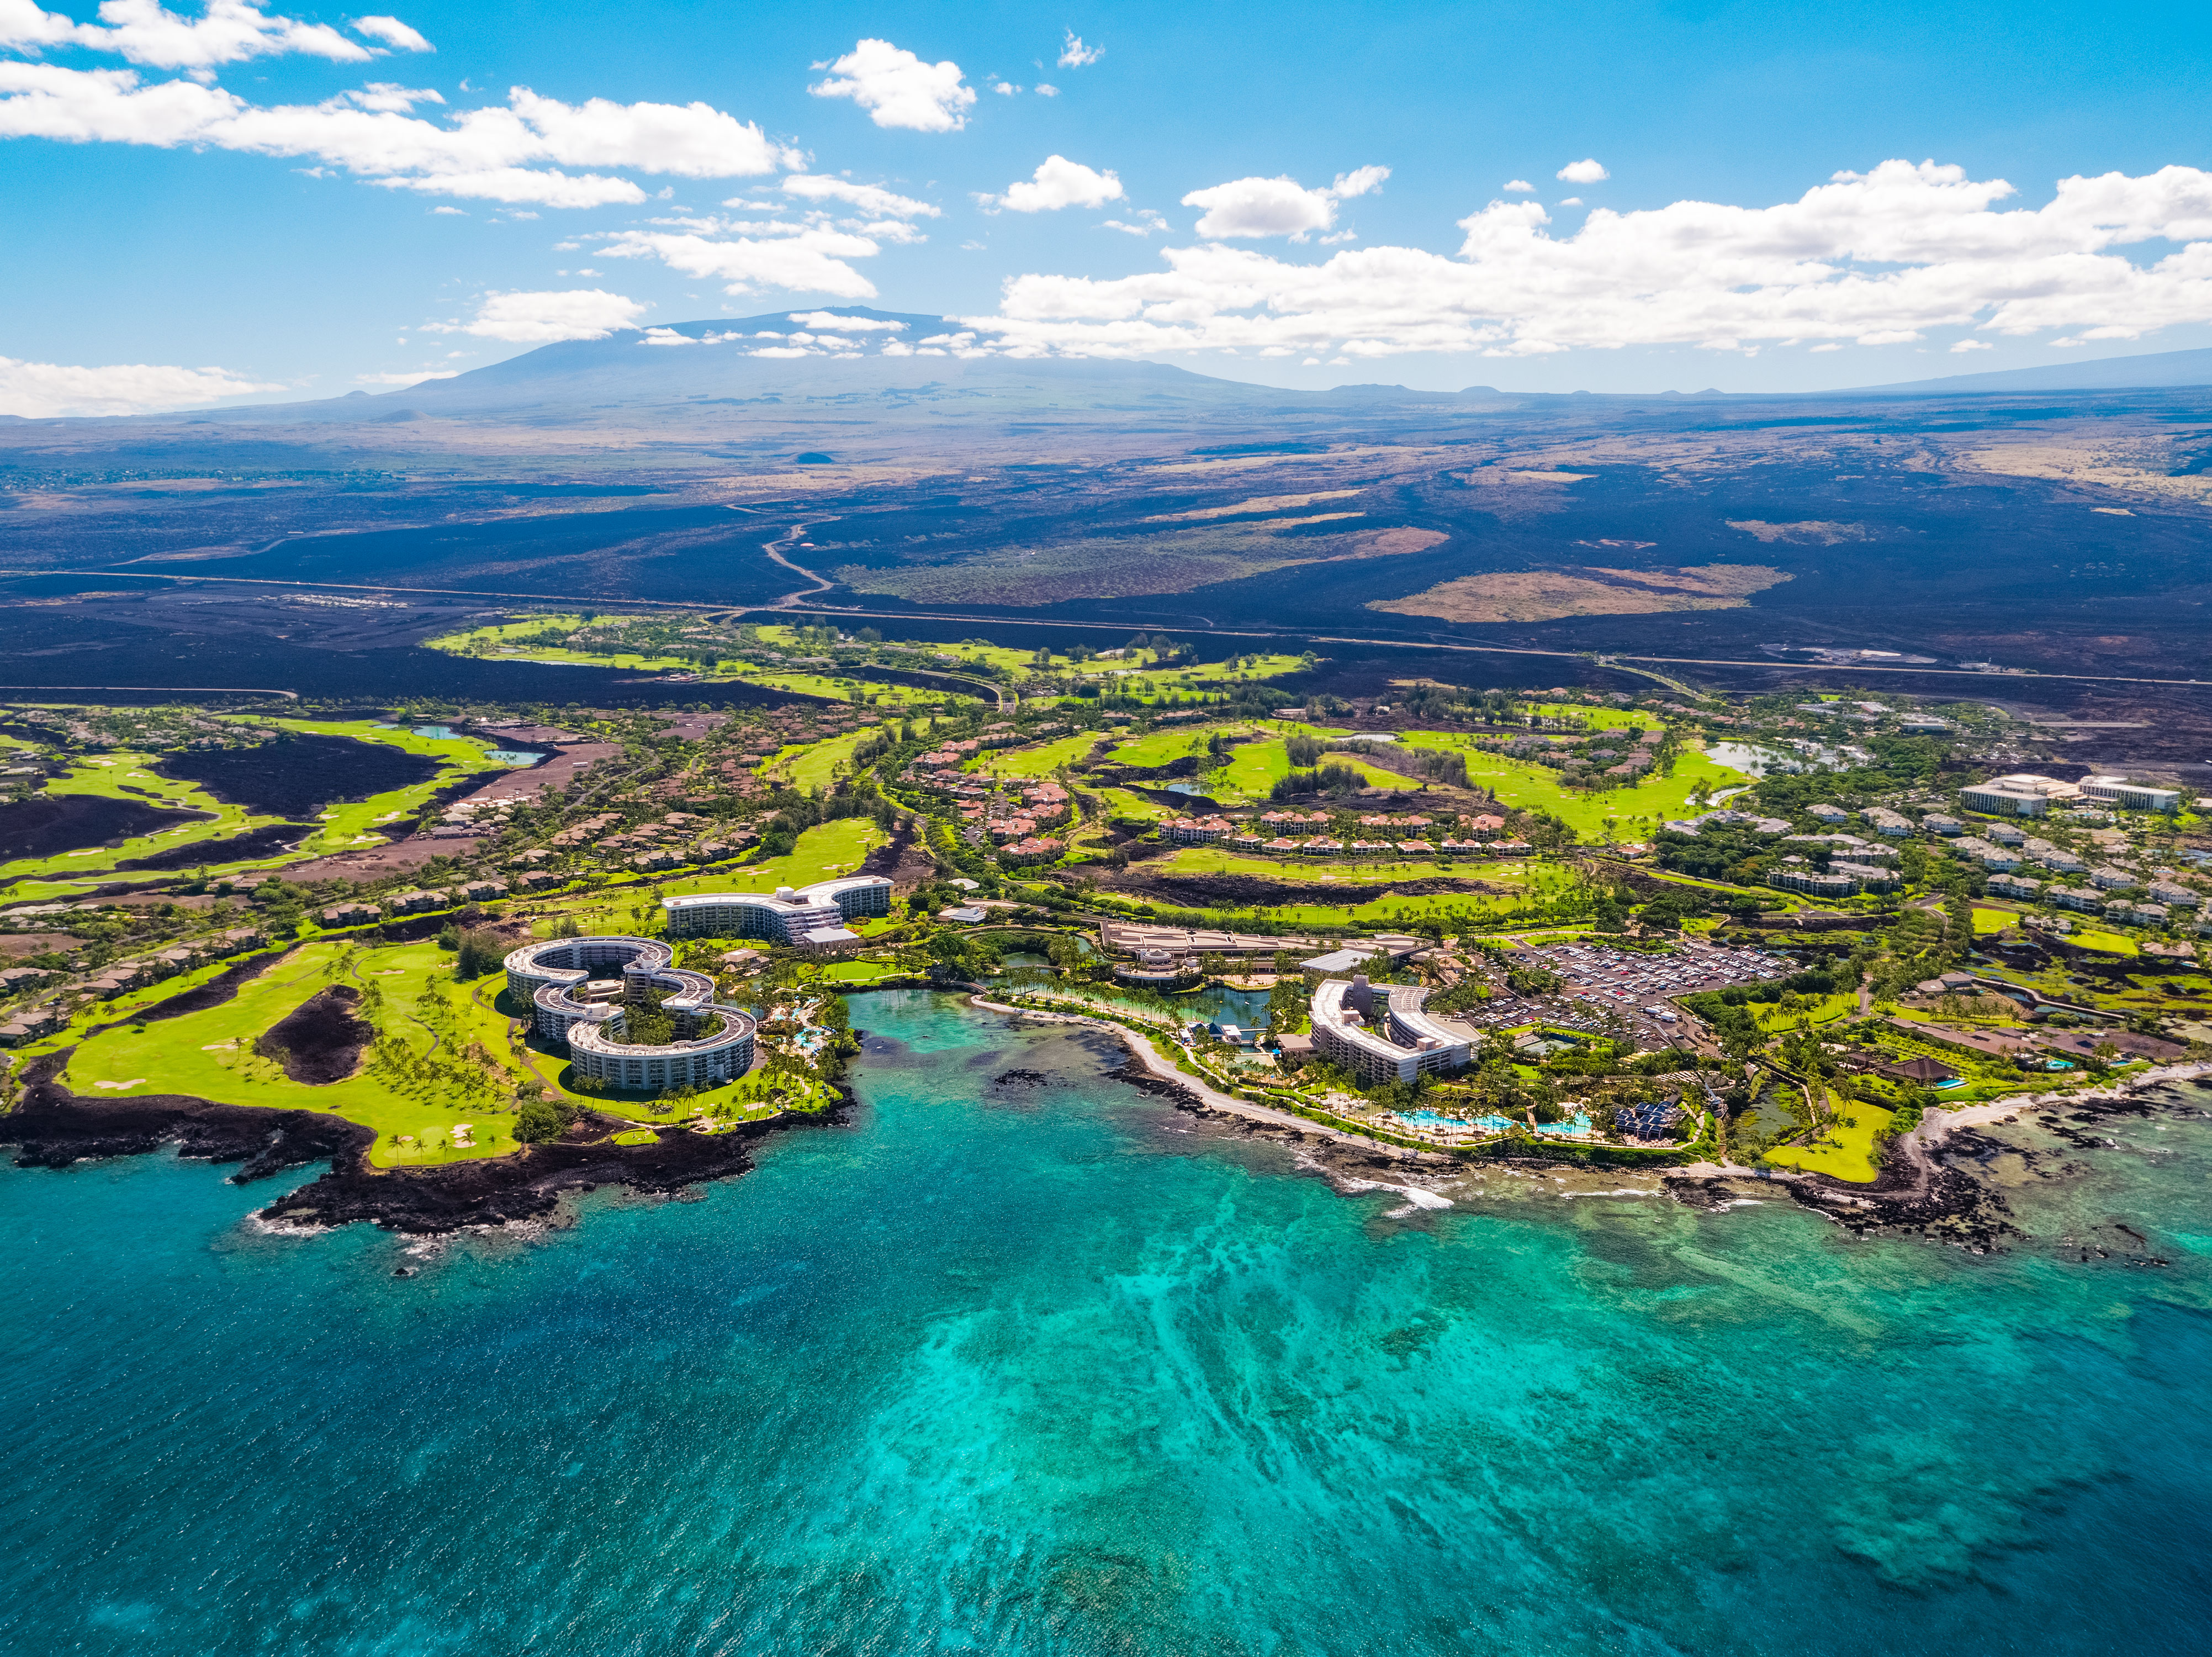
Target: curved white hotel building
{"points": [[1380, 1033], [578, 991]]}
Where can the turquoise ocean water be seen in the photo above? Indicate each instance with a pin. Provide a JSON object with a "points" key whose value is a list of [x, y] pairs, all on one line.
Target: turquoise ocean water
{"points": [[1039, 1369]]}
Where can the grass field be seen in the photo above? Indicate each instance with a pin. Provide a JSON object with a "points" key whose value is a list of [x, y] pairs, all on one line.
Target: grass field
{"points": [[124, 775], [1634, 813], [1312, 871], [348, 823], [816, 767], [1831, 1009], [210, 1054], [1036, 762], [1988, 921], [1846, 1150], [2109, 943], [1598, 719], [823, 852], [489, 641]]}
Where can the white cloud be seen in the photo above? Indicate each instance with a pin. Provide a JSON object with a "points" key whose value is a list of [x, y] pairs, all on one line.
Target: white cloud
{"points": [[538, 318], [1278, 207], [1148, 223], [1044, 91], [25, 27], [1971, 345], [415, 378], [1522, 186], [144, 32], [392, 96], [1892, 254], [1058, 182], [43, 390], [825, 319], [1587, 171], [897, 89], [1004, 89], [393, 32], [868, 198], [1073, 54], [801, 260], [457, 212], [1571, 201], [512, 154]]}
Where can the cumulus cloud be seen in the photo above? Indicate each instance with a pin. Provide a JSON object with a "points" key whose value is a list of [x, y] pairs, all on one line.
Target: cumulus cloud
{"points": [[1147, 223], [1073, 54], [799, 259], [1278, 207], [1058, 182], [1521, 185], [144, 32], [897, 89], [512, 154], [539, 318], [1044, 91], [393, 32], [1885, 255], [25, 27], [822, 320], [1971, 345], [390, 95], [867, 198], [43, 390], [1586, 171]]}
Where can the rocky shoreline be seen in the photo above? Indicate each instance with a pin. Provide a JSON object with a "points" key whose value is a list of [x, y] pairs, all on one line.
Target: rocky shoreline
{"points": [[52, 1128]]}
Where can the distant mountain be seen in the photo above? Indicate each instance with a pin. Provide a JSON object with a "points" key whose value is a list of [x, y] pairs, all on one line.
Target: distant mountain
{"points": [[877, 359], [2146, 372]]}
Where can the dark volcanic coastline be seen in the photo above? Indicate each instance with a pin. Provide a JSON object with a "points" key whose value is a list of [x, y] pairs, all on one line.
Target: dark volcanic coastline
{"points": [[53, 1127]]}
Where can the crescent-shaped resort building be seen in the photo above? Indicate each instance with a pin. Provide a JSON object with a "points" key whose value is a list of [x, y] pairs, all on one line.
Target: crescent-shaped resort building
{"points": [[809, 918], [580, 990]]}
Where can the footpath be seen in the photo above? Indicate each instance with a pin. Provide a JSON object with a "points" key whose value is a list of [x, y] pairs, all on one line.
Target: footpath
{"points": [[1213, 1099]]}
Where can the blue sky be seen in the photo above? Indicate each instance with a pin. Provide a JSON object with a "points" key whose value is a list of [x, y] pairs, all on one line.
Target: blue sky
{"points": [[243, 199]]}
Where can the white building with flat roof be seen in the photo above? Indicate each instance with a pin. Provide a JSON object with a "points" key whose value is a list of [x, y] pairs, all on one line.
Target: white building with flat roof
{"points": [[1380, 1033], [786, 915], [2130, 796]]}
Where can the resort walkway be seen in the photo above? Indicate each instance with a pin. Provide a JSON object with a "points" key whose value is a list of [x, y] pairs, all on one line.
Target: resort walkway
{"points": [[1213, 1097]]}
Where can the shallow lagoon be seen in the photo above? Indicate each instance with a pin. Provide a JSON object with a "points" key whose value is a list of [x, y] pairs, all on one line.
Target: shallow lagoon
{"points": [[1041, 1366]]}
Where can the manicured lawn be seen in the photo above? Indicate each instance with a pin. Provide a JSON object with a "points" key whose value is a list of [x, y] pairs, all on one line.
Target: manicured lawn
{"points": [[348, 823], [1212, 860], [1039, 761], [126, 775], [1636, 811], [1831, 1009], [1987, 921], [823, 852], [210, 1054], [1598, 719], [816, 767], [2110, 943], [1846, 1150]]}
